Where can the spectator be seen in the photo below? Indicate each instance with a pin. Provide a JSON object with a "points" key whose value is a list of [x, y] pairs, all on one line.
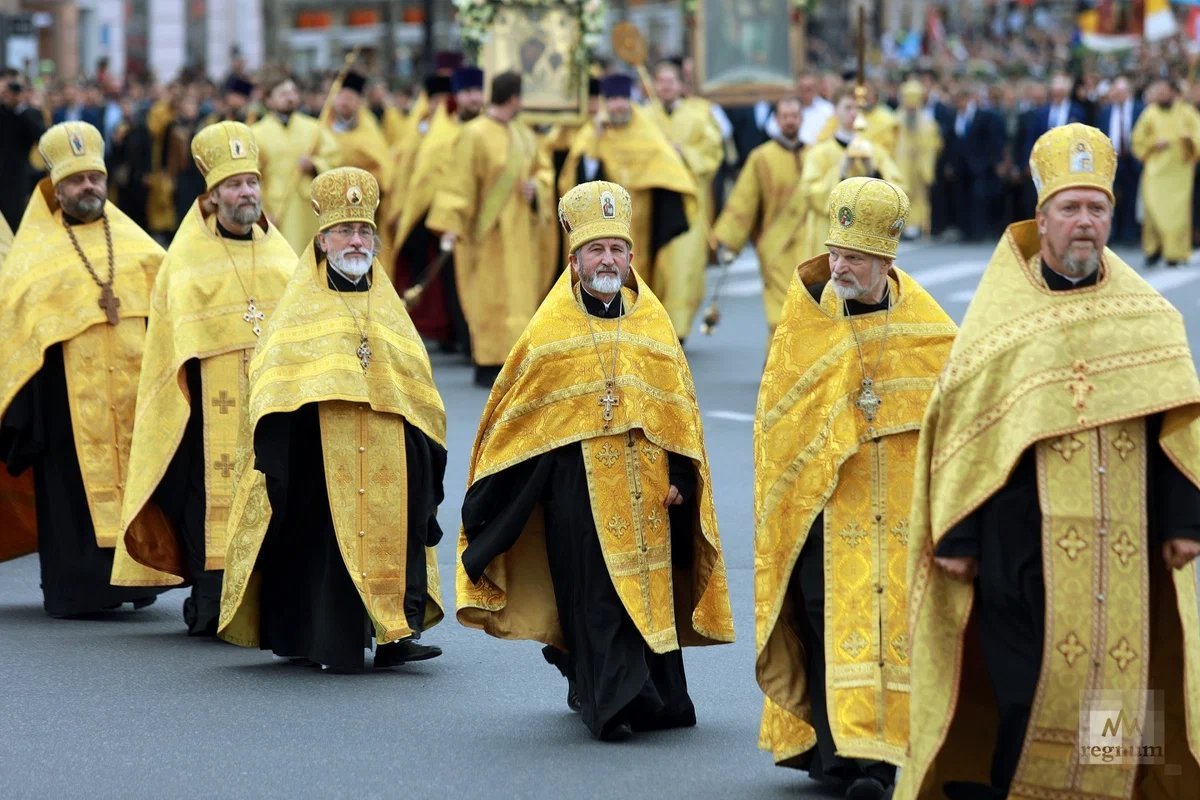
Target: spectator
{"points": [[21, 126]]}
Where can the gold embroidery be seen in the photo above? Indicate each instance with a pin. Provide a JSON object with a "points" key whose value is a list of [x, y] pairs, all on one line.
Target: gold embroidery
{"points": [[1123, 654], [1124, 548], [343, 476], [384, 477], [1072, 543], [651, 452], [900, 646], [654, 520], [618, 526], [900, 531], [224, 465], [1067, 446], [607, 455], [223, 402], [1124, 445], [855, 644], [853, 534], [1079, 386], [1071, 648]]}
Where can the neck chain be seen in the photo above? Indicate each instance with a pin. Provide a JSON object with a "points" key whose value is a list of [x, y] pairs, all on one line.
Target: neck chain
{"points": [[364, 348], [253, 315], [610, 398], [869, 401], [108, 300]]}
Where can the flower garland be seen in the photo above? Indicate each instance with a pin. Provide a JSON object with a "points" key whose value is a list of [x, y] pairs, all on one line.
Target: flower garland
{"points": [[475, 17], [689, 6]]}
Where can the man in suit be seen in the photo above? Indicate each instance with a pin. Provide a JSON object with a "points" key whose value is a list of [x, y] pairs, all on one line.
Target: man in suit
{"points": [[975, 149], [1060, 110], [1117, 118], [1031, 119], [73, 109]]}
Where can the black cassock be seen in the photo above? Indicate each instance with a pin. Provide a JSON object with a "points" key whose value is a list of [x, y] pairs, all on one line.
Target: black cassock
{"points": [[36, 432], [310, 607], [617, 677], [1005, 534]]}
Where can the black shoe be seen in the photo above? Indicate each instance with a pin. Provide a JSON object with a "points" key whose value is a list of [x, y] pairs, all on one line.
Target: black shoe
{"points": [[866, 789], [1173, 263], [573, 702], [486, 376], [142, 602], [1152, 260], [619, 732], [301, 661], [396, 653]]}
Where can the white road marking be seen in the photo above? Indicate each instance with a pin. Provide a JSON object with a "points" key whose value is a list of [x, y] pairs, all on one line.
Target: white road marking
{"points": [[947, 273], [1174, 278], [732, 416]]}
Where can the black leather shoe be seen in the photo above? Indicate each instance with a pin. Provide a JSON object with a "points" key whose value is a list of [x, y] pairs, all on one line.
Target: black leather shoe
{"points": [[573, 702], [616, 733], [394, 654], [1152, 259], [866, 789], [143, 602]]}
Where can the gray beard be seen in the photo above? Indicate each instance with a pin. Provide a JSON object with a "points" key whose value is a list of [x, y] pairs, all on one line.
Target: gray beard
{"points": [[89, 209], [603, 284], [243, 216], [352, 271], [1081, 267], [848, 292]]}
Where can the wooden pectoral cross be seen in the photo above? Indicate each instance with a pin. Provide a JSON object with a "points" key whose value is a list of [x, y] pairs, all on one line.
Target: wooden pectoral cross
{"points": [[609, 399], [110, 303]]}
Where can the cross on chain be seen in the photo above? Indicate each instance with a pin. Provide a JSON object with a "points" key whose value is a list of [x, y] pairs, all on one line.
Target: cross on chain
{"points": [[110, 303], [254, 316], [608, 400], [364, 354]]}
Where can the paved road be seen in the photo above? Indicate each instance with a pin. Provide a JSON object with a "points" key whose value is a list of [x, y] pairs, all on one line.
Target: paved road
{"points": [[129, 707]]}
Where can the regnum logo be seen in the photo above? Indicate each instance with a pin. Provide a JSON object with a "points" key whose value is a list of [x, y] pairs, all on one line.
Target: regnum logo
{"points": [[1118, 727]]}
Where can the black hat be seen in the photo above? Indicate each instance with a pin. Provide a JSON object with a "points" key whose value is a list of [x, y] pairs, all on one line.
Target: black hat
{"points": [[355, 82], [593, 87], [239, 85], [616, 86], [437, 84], [467, 78]]}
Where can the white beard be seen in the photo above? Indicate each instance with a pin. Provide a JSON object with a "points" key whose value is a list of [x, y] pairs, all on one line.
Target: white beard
{"points": [[847, 292], [604, 284], [352, 269]]}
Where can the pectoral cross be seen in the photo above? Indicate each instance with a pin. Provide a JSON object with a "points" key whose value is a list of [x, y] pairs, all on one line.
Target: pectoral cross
{"points": [[110, 303], [254, 316], [868, 401], [608, 400], [364, 354]]}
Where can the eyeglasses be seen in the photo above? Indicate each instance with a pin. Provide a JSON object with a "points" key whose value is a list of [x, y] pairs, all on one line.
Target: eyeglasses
{"points": [[347, 232]]}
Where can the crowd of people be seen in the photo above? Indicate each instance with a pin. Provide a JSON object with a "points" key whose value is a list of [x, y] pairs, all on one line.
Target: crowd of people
{"points": [[961, 534]]}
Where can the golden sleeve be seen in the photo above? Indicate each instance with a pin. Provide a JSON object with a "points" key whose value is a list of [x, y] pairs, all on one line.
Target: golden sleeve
{"points": [[740, 216]]}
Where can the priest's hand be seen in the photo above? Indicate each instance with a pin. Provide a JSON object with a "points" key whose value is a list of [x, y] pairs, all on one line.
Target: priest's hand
{"points": [[960, 569], [448, 240], [529, 191], [674, 497], [307, 167], [1178, 553]]}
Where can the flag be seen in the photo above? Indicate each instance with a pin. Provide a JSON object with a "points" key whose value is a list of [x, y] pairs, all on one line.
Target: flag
{"points": [[1160, 20]]}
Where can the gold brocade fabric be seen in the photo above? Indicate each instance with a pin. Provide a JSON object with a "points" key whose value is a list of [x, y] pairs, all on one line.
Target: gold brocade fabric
{"points": [[766, 204], [285, 190], [366, 148], [546, 397], [917, 147], [49, 299], [430, 161], [883, 128], [198, 311], [1032, 366], [307, 354], [1167, 176], [6, 240], [815, 452]]}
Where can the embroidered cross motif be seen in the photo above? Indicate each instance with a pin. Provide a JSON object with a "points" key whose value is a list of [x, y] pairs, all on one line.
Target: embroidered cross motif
{"points": [[1067, 446], [224, 465], [1124, 548], [1123, 654], [1072, 543], [654, 520], [384, 477], [1071, 649], [1079, 386], [223, 402], [343, 476], [617, 526], [651, 452], [607, 455], [900, 646], [1124, 445], [853, 534], [855, 644], [900, 532]]}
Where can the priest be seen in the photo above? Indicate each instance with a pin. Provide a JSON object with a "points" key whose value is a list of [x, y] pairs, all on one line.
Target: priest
{"points": [[852, 364], [74, 315], [1056, 520], [334, 519], [487, 209], [222, 277], [588, 523], [1166, 139], [293, 149]]}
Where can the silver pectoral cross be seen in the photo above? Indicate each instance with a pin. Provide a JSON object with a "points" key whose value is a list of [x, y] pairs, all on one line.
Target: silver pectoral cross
{"points": [[254, 316], [608, 400], [364, 354], [868, 401]]}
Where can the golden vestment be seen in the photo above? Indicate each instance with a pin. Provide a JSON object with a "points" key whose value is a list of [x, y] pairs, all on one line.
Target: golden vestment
{"points": [[767, 204], [815, 453], [50, 299], [639, 157], [823, 171], [545, 398], [365, 147], [481, 200], [1167, 177], [197, 310], [6, 240], [693, 130], [285, 189], [1072, 374], [424, 173], [917, 148], [552, 244], [307, 354], [883, 128]]}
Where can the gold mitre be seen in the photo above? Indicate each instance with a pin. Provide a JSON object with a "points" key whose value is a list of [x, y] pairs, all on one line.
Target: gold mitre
{"points": [[595, 210], [867, 215], [69, 148], [225, 149], [345, 194], [912, 94], [1071, 157]]}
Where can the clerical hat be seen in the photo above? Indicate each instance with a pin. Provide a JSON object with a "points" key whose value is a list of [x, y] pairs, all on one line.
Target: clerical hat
{"points": [[593, 87], [912, 94], [225, 149], [465, 78], [69, 148], [1072, 157], [595, 210], [355, 82], [437, 84], [447, 60], [867, 215], [345, 194], [616, 86], [239, 85]]}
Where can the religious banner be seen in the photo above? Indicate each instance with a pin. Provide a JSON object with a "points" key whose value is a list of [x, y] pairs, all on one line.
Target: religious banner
{"points": [[747, 50], [547, 41]]}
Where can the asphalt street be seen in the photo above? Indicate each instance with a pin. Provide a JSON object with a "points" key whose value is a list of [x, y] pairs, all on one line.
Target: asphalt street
{"points": [[129, 707]]}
